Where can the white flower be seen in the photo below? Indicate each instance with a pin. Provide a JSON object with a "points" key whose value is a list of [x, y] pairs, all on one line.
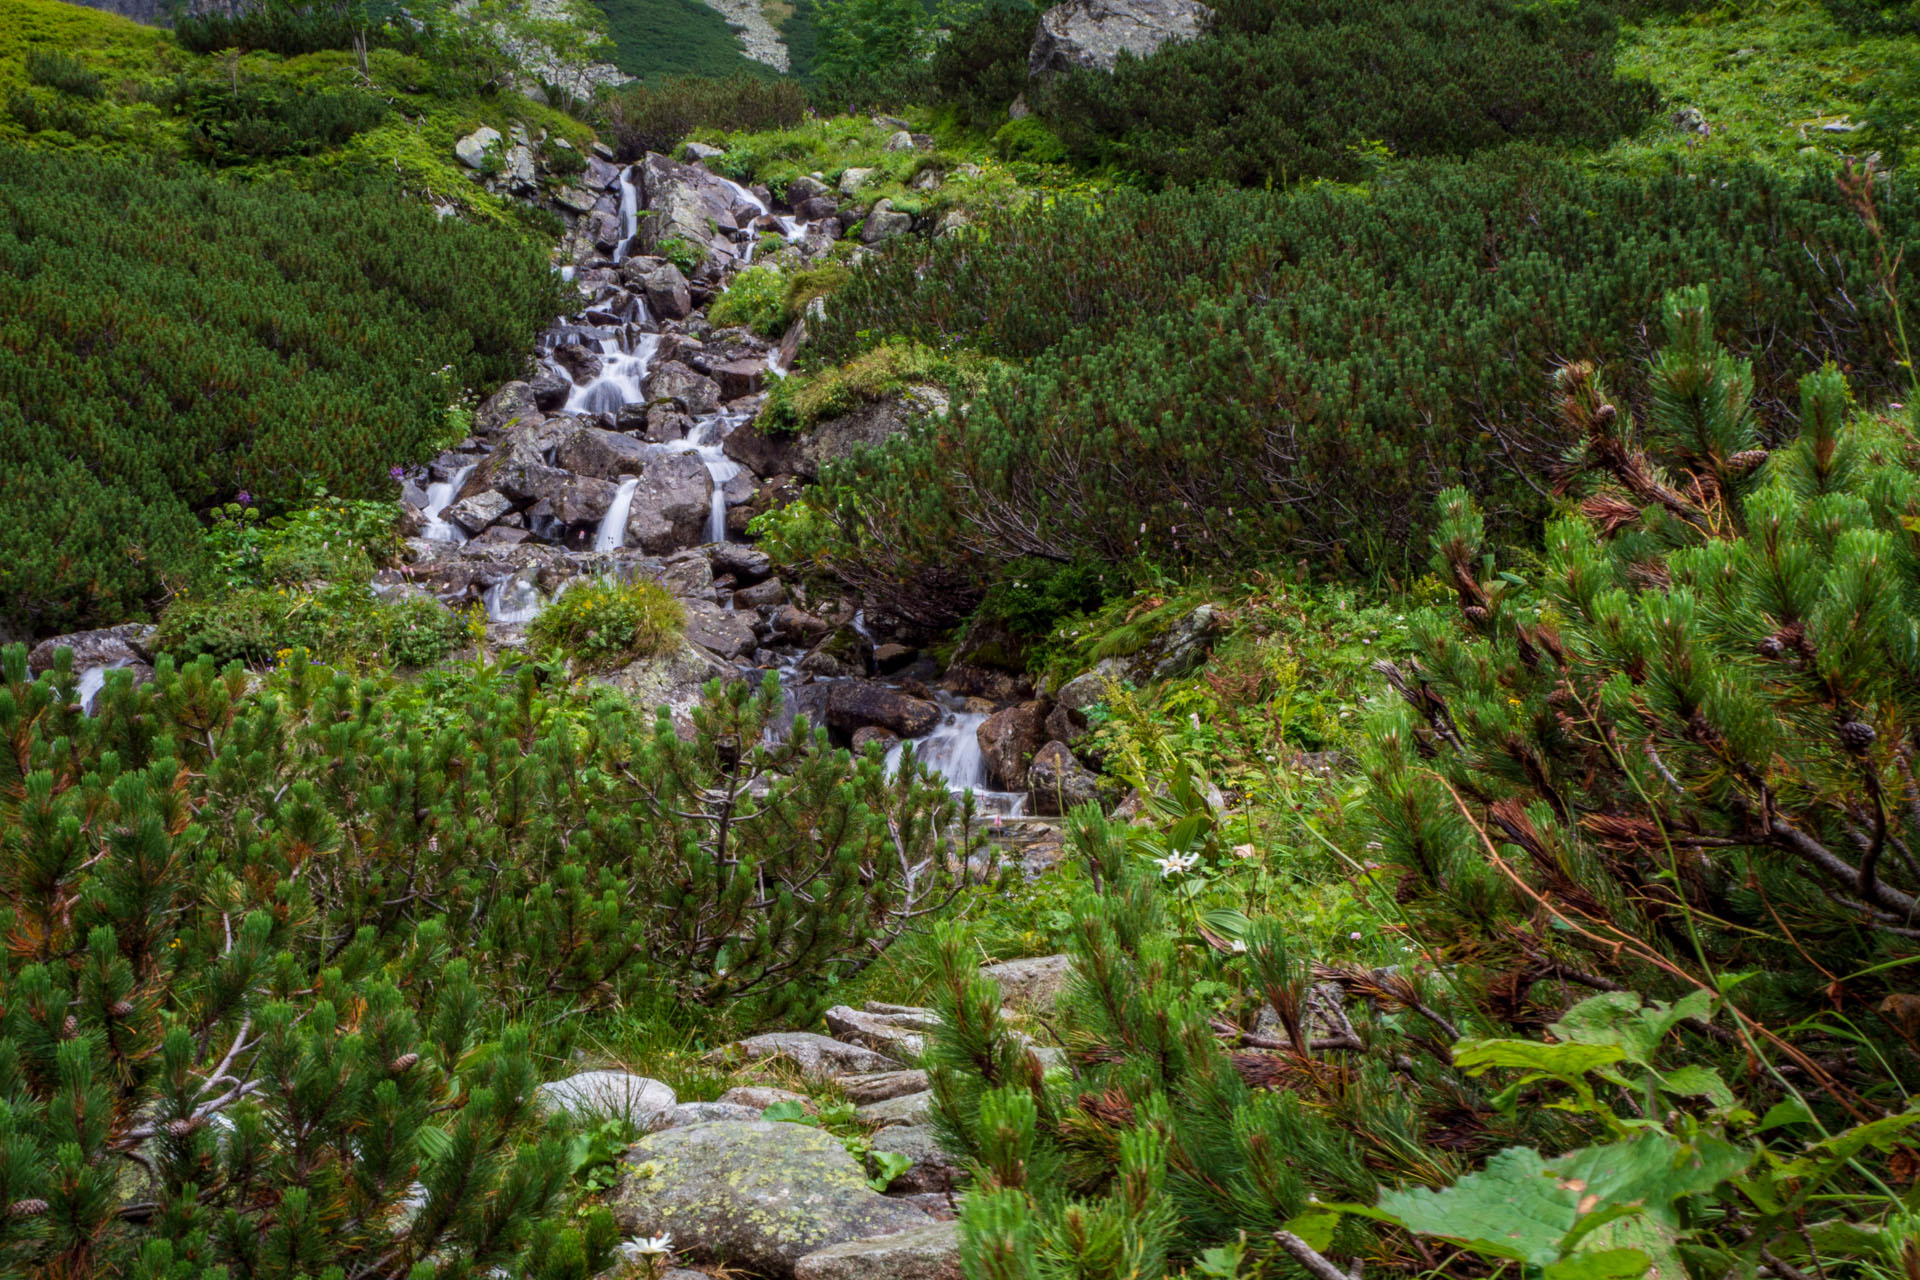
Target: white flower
{"points": [[1355, 935], [1176, 864], [653, 1245], [1239, 947], [1245, 851]]}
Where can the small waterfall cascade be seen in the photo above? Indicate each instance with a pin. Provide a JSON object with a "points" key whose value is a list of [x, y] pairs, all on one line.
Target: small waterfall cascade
{"points": [[513, 600], [952, 750], [440, 496], [704, 441], [629, 215], [623, 375], [92, 681], [612, 533]]}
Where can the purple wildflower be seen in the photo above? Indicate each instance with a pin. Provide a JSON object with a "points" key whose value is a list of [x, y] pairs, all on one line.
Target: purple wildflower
{"points": [[246, 499]]}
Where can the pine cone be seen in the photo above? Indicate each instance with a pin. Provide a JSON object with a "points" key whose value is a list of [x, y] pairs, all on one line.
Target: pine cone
{"points": [[71, 1027], [27, 1208], [1856, 736], [1747, 459], [182, 1129], [405, 1062], [1771, 647], [122, 1009], [1477, 615]]}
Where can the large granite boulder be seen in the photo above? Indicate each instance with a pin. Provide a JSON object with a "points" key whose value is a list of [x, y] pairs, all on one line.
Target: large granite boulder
{"points": [[1008, 740], [1057, 782], [856, 704], [820, 1057], [1031, 984], [674, 680], [1092, 34], [686, 202], [513, 404], [756, 1195], [604, 454], [600, 1095], [692, 392], [671, 504]]}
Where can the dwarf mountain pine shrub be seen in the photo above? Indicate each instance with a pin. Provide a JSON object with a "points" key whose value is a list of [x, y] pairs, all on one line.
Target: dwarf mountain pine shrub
{"points": [[230, 339], [1278, 90], [1688, 750], [264, 947], [1223, 378]]}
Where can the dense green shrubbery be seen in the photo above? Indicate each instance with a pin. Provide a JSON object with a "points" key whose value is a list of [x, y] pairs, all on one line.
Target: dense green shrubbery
{"points": [[230, 338], [603, 623], [1681, 770], [757, 299], [1224, 377], [1278, 90], [981, 65], [63, 73], [653, 39], [258, 121], [660, 117], [263, 947]]}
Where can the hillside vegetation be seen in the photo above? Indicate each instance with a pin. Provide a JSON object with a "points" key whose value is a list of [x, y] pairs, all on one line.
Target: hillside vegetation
{"points": [[1405, 518]]}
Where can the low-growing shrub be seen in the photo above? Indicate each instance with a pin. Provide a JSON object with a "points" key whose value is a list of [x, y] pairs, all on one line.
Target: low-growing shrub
{"points": [[660, 117], [262, 121], [980, 66], [63, 73], [1278, 90], [756, 298], [334, 621], [235, 339], [1216, 378], [602, 623], [269, 941]]}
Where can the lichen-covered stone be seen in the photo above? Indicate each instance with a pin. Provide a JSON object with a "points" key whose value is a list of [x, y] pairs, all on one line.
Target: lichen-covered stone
{"points": [[818, 1056], [1031, 984], [925, 1253], [608, 1094], [753, 1194]]}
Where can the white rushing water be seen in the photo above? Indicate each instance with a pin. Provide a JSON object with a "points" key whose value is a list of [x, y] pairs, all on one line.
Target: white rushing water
{"points": [[612, 533], [622, 379], [440, 495], [92, 680], [514, 599], [952, 750]]}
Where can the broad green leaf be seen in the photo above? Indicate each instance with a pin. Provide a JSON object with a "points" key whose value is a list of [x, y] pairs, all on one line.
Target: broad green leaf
{"points": [[788, 1110], [1650, 1171], [1618, 1018], [1568, 1061], [1511, 1209], [1599, 1264], [1226, 922], [1791, 1111], [1697, 1082], [1316, 1227]]}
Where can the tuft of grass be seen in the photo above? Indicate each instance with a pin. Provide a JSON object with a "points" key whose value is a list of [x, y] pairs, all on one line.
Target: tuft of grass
{"points": [[603, 624]]}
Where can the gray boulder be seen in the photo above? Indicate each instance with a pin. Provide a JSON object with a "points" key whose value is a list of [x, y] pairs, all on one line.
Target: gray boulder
{"points": [[671, 504], [932, 1168], [582, 363], [705, 1113], [674, 681], [482, 509], [901, 1036], [768, 594], [802, 189], [1031, 984], [760, 1097], [121, 646], [640, 1101], [739, 378], [843, 654], [1089, 688], [924, 1253], [1008, 740], [512, 404], [869, 426], [667, 294], [855, 704], [685, 202], [472, 149], [602, 454], [884, 223], [550, 390], [694, 393], [754, 1194], [1092, 34], [725, 634], [908, 1108], [881, 1085], [746, 564], [818, 1056], [1057, 782]]}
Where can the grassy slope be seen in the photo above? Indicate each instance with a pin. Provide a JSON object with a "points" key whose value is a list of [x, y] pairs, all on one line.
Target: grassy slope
{"points": [[1768, 75], [414, 144]]}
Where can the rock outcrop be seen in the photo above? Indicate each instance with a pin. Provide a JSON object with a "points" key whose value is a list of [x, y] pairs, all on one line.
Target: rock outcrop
{"points": [[1092, 34]]}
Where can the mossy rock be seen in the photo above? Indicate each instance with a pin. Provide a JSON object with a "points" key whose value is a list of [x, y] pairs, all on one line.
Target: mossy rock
{"points": [[759, 1195]]}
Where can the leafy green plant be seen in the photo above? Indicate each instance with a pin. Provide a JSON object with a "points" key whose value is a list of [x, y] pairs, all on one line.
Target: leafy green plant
{"points": [[757, 299], [680, 253], [603, 623]]}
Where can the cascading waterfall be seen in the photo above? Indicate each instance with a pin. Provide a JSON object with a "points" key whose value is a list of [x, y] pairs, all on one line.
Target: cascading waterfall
{"points": [[952, 750], [612, 533], [440, 495], [513, 600], [629, 215], [622, 376], [92, 681]]}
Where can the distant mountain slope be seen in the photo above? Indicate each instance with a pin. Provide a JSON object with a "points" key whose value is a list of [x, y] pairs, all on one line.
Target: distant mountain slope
{"points": [[655, 38]]}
